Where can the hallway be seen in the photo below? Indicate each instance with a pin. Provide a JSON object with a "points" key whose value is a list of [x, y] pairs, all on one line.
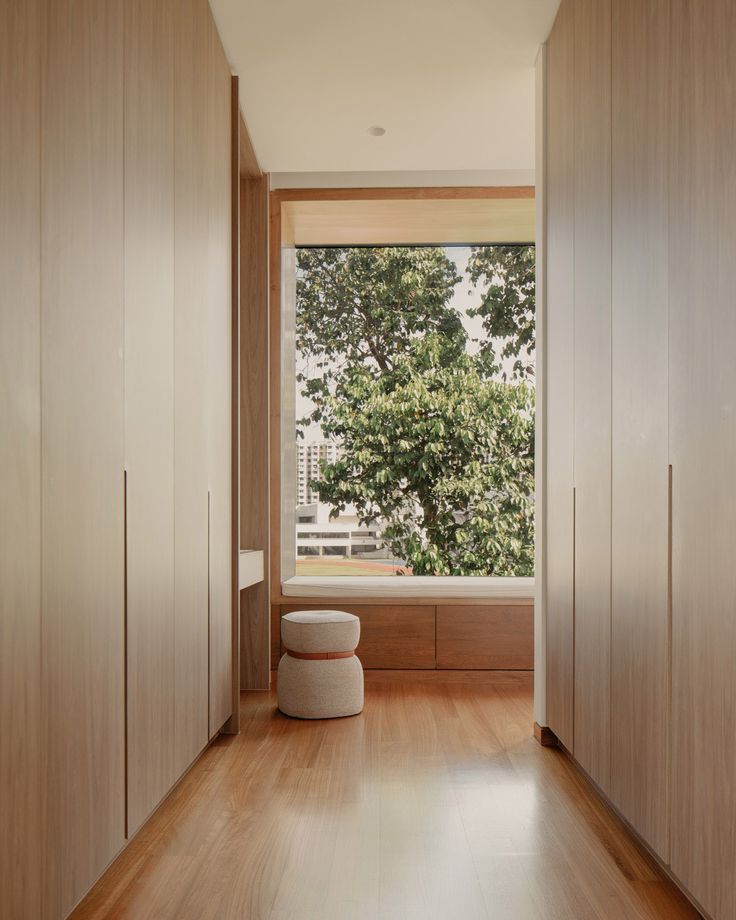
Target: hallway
{"points": [[434, 803]]}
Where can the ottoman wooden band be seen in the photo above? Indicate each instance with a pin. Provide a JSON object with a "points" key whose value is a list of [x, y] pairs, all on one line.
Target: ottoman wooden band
{"points": [[318, 656]]}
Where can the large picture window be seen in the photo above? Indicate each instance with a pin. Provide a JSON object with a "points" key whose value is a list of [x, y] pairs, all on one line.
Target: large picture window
{"points": [[415, 411]]}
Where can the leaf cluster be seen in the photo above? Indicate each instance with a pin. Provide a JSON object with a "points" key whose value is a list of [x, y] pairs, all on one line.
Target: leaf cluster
{"points": [[506, 275], [365, 306]]}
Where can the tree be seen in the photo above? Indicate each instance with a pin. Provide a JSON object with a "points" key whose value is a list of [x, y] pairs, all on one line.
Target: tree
{"points": [[507, 306], [437, 445], [444, 455], [365, 306]]}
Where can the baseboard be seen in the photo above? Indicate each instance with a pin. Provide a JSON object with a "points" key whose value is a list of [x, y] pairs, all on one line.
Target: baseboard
{"points": [[545, 736]]}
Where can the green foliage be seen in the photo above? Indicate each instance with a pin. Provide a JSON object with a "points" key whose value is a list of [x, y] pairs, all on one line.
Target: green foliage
{"points": [[365, 306], [508, 304], [434, 445], [443, 454]]}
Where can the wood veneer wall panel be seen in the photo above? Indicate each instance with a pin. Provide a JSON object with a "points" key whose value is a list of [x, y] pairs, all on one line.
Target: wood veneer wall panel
{"points": [[430, 192], [232, 727], [254, 459], [190, 382], [219, 380], [83, 450], [702, 236], [275, 623], [639, 521], [20, 458], [149, 401], [592, 369], [559, 522], [493, 637], [407, 222]]}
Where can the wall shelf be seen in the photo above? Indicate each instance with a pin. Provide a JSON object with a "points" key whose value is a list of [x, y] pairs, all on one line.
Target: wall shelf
{"points": [[251, 567]]}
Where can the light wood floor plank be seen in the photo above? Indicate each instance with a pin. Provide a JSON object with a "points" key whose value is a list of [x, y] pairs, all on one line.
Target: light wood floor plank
{"points": [[435, 803]]}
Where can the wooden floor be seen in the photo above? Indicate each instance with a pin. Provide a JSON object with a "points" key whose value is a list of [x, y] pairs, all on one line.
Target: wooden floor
{"points": [[434, 803]]}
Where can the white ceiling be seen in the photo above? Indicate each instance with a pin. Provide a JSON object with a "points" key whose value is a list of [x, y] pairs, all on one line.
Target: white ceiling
{"points": [[451, 81]]}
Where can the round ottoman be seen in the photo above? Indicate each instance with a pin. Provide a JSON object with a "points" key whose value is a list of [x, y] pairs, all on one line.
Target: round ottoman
{"points": [[320, 676]]}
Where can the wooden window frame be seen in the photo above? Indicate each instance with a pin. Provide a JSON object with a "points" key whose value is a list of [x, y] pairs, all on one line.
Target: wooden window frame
{"points": [[278, 234]]}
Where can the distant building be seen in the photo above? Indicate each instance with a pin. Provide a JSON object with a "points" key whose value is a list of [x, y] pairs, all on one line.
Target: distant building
{"points": [[317, 535], [309, 454]]}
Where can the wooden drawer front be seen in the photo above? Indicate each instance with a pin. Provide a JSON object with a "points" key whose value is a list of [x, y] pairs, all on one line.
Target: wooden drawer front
{"points": [[391, 637], [492, 637]]}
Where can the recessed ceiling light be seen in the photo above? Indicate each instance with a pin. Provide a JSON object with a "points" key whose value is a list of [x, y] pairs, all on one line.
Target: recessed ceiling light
{"points": [[376, 131]]}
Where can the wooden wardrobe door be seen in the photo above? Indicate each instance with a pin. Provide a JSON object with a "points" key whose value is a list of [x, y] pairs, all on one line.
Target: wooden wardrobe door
{"points": [[190, 381], [219, 381], [20, 458], [702, 281], [149, 400], [639, 522], [83, 452], [559, 522], [592, 368]]}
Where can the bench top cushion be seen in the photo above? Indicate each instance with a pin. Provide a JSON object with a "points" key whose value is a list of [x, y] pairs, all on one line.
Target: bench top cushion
{"points": [[320, 631]]}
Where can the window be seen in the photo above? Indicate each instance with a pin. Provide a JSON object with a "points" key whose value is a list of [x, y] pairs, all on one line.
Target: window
{"points": [[415, 411]]}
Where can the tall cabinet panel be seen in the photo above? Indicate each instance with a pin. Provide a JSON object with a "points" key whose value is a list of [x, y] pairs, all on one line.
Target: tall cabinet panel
{"points": [[191, 511], [702, 274], [115, 427], [20, 458], [219, 381], [149, 400], [592, 368], [639, 522], [559, 522], [82, 454]]}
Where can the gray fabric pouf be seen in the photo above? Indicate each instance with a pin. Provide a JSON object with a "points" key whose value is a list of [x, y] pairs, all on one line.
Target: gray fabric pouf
{"points": [[320, 677]]}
